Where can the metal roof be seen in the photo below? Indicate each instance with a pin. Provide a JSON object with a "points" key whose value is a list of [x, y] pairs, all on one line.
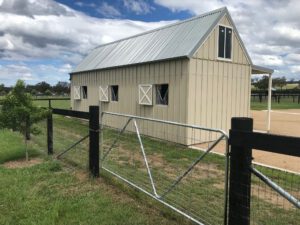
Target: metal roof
{"points": [[180, 39], [261, 70]]}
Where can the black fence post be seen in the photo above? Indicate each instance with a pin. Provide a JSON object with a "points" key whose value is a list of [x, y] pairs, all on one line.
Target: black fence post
{"points": [[94, 141], [240, 176], [50, 133]]}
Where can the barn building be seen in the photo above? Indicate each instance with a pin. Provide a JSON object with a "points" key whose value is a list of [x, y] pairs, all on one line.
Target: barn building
{"points": [[195, 71]]}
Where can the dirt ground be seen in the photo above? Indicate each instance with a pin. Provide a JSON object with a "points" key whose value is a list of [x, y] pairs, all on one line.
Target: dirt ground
{"points": [[284, 122], [22, 163]]}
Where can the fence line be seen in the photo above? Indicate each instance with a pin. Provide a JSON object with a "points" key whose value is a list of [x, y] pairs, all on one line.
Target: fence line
{"points": [[242, 139]]}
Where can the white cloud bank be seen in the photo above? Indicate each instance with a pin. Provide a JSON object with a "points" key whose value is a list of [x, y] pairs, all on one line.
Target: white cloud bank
{"points": [[270, 29], [46, 30]]}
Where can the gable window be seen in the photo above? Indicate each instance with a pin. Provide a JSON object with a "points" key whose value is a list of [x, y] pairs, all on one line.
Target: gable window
{"points": [[114, 93], [225, 42], [84, 92], [162, 94]]}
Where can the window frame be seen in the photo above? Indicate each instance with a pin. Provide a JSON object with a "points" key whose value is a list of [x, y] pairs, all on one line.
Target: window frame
{"points": [[155, 88], [82, 92], [217, 44], [111, 93]]}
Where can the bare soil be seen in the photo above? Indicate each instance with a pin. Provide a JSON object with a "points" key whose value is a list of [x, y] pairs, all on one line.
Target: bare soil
{"points": [[22, 163], [283, 122]]}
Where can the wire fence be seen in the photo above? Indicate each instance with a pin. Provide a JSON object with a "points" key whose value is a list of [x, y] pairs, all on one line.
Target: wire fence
{"points": [[268, 206], [39, 138], [174, 164], [154, 157], [70, 140]]}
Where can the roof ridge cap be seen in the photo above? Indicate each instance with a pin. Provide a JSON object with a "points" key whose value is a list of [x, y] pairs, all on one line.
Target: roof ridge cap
{"points": [[164, 27]]}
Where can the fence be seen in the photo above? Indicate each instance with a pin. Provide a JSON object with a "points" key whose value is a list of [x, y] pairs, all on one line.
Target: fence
{"points": [[276, 97], [188, 179], [255, 196], [92, 156]]}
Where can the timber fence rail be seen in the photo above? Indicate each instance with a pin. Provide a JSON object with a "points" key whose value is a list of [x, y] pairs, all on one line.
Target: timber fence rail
{"points": [[276, 97], [173, 163], [75, 137], [260, 194]]}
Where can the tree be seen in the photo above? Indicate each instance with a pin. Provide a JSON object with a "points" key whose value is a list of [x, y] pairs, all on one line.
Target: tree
{"points": [[263, 83], [19, 113], [281, 82], [2, 89], [42, 87], [48, 92], [61, 88]]}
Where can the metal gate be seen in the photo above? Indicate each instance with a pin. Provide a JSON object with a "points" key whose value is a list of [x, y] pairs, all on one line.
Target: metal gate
{"points": [[170, 162]]}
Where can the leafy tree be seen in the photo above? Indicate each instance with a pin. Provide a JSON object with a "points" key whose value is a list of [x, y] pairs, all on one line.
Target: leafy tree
{"points": [[18, 112], [61, 88], [282, 82], [263, 83], [42, 87], [33, 92], [48, 92]]}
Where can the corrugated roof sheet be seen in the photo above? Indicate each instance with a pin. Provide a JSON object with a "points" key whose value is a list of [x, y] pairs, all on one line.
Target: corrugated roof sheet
{"points": [[180, 39]]}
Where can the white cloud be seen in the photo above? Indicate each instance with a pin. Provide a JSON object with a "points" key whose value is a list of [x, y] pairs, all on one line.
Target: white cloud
{"points": [[65, 37], [108, 10], [140, 7], [33, 30], [270, 29], [295, 69]]}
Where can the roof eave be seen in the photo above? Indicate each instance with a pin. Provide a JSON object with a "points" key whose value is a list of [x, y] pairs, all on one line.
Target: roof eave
{"points": [[255, 69], [134, 64]]}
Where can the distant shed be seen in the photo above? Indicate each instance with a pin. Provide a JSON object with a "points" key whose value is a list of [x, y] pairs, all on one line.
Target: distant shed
{"points": [[195, 71]]}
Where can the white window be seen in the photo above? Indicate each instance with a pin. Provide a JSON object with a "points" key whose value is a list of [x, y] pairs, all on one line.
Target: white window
{"points": [[145, 94], [162, 94], [77, 93], [114, 89], [103, 93], [225, 42]]}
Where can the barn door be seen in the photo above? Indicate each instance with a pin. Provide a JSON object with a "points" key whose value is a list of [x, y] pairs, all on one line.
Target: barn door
{"points": [[145, 94]]}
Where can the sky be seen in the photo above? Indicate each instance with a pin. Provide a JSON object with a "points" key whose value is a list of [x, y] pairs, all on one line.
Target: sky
{"points": [[43, 40]]}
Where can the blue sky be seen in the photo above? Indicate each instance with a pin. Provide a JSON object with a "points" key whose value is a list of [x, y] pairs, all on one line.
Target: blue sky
{"points": [[42, 40]]}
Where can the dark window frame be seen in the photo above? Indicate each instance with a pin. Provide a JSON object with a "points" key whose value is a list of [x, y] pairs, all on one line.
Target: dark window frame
{"points": [[84, 90], [162, 94], [225, 42], [114, 93]]}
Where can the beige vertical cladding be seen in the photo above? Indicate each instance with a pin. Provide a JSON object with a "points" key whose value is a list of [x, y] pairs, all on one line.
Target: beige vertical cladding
{"points": [[173, 72], [217, 89]]}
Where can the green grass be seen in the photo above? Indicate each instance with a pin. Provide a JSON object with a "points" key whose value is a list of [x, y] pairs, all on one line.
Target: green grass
{"points": [[62, 104], [285, 103], [47, 194], [202, 192], [286, 87], [13, 146], [110, 201]]}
